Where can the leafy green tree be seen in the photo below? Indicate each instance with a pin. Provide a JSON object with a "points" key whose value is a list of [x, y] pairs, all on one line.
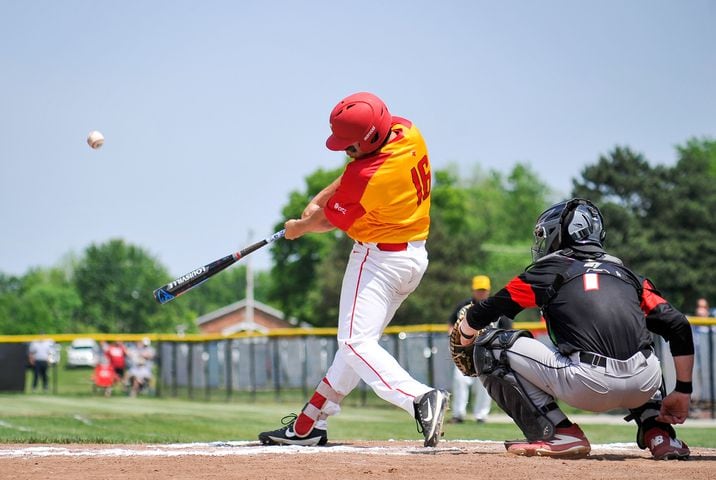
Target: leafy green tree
{"points": [[43, 300], [660, 219], [293, 276], [507, 207], [115, 281], [9, 302], [452, 259]]}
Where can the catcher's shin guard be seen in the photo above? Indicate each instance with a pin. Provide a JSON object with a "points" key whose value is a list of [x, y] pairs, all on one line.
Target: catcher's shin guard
{"points": [[493, 367], [314, 409], [645, 418], [658, 437]]}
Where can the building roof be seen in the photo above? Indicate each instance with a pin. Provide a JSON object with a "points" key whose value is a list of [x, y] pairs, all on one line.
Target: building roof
{"points": [[238, 306]]}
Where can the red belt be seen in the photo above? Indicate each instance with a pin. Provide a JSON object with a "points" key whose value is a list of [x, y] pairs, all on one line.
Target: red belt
{"points": [[391, 247]]}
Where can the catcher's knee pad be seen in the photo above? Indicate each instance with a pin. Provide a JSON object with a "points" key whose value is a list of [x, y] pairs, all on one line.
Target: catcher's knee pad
{"points": [[495, 340], [500, 381]]}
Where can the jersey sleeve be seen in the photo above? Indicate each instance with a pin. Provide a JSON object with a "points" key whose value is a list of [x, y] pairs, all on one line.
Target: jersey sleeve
{"points": [[665, 320], [349, 202], [508, 301], [530, 289]]}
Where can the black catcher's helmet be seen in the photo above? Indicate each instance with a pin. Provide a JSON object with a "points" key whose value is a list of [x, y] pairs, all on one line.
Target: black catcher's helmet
{"points": [[572, 223]]}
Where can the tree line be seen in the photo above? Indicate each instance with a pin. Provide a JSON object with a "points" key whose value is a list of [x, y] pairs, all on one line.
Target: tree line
{"points": [[661, 220]]}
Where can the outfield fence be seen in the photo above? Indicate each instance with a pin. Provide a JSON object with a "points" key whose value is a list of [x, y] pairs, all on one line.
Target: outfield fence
{"points": [[214, 367]]}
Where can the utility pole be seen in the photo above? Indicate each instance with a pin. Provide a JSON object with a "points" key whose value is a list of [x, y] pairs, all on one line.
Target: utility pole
{"points": [[249, 287]]}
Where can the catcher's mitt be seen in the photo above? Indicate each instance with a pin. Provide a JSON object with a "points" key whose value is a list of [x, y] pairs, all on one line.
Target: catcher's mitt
{"points": [[462, 355]]}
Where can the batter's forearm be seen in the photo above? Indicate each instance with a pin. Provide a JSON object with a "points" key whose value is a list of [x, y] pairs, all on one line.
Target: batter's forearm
{"points": [[316, 222], [322, 197]]}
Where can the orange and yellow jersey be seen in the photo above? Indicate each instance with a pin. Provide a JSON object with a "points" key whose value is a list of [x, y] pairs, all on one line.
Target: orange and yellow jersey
{"points": [[385, 197]]}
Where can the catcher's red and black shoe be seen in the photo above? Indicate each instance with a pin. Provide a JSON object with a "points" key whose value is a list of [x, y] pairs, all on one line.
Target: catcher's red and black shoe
{"points": [[286, 436], [567, 442], [664, 447]]}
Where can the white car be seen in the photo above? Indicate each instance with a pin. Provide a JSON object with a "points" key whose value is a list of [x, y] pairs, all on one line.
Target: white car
{"points": [[82, 352]]}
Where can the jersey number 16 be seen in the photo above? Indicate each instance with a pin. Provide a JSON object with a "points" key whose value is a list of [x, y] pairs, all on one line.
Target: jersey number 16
{"points": [[421, 179]]}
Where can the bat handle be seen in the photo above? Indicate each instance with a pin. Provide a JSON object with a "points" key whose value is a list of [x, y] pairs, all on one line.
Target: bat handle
{"points": [[276, 236]]}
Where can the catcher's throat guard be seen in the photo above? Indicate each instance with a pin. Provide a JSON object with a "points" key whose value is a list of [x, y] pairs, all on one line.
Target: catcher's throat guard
{"points": [[493, 368]]}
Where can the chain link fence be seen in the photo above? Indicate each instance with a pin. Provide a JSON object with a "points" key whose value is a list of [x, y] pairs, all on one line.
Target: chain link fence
{"points": [[206, 367]]}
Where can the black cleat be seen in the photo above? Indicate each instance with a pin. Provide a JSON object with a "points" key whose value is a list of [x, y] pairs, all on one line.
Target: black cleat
{"points": [[429, 415], [286, 436]]}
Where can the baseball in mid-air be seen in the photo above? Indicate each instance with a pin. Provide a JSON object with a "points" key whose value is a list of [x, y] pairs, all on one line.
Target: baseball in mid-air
{"points": [[95, 139]]}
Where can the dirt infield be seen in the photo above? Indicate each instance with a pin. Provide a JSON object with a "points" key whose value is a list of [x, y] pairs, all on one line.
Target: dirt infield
{"points": [[360, 460]]}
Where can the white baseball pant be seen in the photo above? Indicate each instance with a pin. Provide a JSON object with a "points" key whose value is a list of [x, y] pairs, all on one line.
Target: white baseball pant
{"points": [[374, 285], [481, 400], [546, 375]]}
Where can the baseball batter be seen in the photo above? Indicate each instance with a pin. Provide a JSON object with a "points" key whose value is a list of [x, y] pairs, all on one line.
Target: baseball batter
{"points": [[382, 201], [599, 317]]}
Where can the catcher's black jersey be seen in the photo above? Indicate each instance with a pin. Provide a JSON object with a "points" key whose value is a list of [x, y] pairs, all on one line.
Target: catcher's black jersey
{"points": [[593, 305]]}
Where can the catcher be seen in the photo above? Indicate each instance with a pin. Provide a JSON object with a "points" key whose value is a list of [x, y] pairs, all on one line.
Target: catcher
{"points": [[599, 316]]}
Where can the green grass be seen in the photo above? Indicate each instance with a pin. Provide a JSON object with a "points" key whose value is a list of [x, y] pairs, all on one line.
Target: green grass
{"points": [[76, 415], [41, 418]]}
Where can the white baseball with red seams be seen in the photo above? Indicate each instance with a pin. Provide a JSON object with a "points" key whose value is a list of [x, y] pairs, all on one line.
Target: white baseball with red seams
{"points": [[95, 139]]}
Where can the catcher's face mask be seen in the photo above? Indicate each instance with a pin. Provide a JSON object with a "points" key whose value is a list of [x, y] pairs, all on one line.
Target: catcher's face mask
{"points": [[547, 231], [572, 223]]}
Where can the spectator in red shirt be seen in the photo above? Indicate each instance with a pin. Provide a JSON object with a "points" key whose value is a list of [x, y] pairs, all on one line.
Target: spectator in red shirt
{"points": [[116, 353]]}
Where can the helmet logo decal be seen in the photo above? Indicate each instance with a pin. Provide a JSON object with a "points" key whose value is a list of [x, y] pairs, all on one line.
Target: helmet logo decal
{"points": [[370, 132]]}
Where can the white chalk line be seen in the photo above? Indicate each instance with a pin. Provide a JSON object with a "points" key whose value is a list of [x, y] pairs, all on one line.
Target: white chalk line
{"points": [[240, 448]]}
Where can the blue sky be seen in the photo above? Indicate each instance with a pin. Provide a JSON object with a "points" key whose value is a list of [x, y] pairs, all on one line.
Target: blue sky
{"points": [[214, 111]]}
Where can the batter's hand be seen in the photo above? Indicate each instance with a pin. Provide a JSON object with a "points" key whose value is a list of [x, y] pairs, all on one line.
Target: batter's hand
{"points": [[316, 222], [674, 408], [293, 229]]}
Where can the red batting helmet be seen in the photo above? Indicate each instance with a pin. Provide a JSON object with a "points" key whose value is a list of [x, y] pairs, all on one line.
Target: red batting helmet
{"points": [[360, 118]]}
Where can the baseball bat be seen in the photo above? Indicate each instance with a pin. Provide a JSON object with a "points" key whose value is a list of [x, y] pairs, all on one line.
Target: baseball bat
{"points": [[183, 284]]}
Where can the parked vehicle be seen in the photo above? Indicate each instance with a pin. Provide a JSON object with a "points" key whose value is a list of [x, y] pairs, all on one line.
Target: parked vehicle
{"points": [[83, 352]]}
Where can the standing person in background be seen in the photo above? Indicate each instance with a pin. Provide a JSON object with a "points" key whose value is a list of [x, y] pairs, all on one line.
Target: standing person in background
{"points": [[40, 352], [702, 308], [139, 374], [143, 352], [382, 201], [702, 381], [116, 353], [481, 400]]}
